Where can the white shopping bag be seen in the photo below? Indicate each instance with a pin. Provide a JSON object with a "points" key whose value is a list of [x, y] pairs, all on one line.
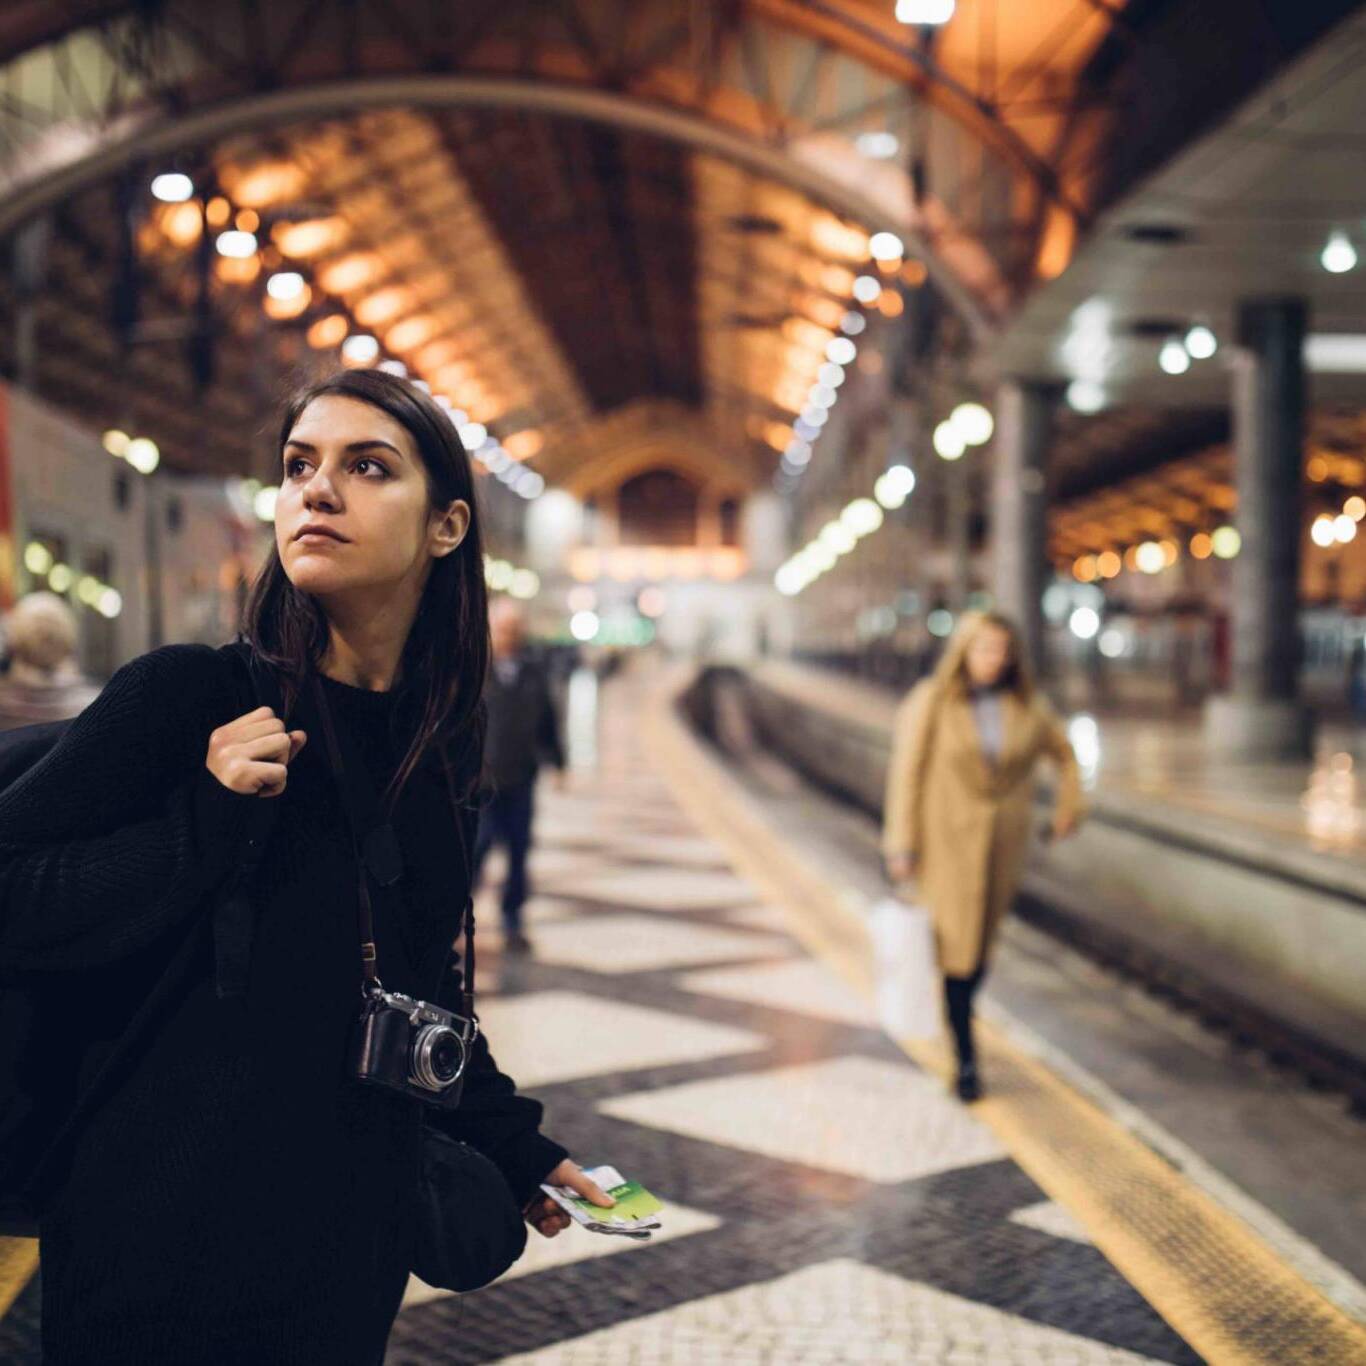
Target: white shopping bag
{"points": [[907, 975]]}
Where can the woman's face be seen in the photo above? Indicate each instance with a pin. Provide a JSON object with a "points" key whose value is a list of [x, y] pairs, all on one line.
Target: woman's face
{"points": [[988, 656], [354, 509]]}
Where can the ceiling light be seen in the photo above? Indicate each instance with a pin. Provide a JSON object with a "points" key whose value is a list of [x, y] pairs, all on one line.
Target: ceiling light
{"points": [[116, 442], [1150, 558], [583, 626], [820, 555], [973, 423], [1344, 528], [327, 332], [894, 486], [948, 444], [1339, 255], [172, 187], [236, 244], [360, 348], [1339, 352], [1201, 342], [853, 323], [924, 12], [472, 435], [1084, 623], [839, 538], [798, 452], [879, 145], [814, 417], [1085, 396], [285, 285], [831, 374], [1226, 542], [885, 246], [142, 454], [263, 504], [37, 558], [1173, 357], [867, 288], [862, 516], [840, 350], [821, 396]]}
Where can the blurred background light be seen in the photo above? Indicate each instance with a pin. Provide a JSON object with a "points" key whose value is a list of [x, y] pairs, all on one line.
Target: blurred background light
{"points": [[236, 244], [143, 454], [925, 12], [973, 423], [948, 444], [360, 348], [583, 626], [1173, 357], [172, 187], [1201, 342], [1338, 255]]}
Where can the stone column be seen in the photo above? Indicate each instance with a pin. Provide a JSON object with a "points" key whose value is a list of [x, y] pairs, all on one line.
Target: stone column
{"points": [[1018, 530], [1262, 716]]}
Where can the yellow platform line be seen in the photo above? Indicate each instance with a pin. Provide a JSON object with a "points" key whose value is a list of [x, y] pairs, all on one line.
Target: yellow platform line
{"points": [[1209, 1275], [18, 1262]]}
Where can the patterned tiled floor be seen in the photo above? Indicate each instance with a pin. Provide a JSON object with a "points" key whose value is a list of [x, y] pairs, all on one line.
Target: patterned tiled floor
{"points": [[827, 1202]]}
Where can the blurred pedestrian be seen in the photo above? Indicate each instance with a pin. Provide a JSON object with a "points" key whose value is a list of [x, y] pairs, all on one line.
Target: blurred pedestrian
{"points": [[44, 682], [966, 743], [523, 733]]}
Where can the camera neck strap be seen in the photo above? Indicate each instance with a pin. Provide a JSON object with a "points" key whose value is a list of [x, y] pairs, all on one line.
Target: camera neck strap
{"points": [[377, 853]]}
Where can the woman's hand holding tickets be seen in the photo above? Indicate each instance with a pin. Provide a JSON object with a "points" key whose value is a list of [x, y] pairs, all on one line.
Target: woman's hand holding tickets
{"points": [[546, 1217], [252, 754]]}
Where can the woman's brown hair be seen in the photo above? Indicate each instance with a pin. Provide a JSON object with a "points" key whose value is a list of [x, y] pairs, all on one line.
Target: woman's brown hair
{"points": [[951, 671], [446, 657]]}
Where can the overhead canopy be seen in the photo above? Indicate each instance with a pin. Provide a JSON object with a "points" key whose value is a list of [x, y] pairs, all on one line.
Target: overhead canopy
{"points": [[553, 210]]}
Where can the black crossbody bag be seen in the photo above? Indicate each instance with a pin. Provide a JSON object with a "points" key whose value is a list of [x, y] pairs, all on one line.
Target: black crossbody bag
{"points": [[468, 1227]]}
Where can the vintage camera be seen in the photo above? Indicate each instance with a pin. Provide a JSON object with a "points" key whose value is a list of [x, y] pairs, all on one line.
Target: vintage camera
{"points": [[412, 1047]]}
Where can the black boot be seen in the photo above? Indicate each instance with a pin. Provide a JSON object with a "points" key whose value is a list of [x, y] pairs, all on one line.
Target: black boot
{"points": [[968, 1084], [958, 993]]}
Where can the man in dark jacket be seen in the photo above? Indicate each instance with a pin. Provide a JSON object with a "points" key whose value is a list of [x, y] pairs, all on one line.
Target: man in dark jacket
{"points": [[523, 732]]}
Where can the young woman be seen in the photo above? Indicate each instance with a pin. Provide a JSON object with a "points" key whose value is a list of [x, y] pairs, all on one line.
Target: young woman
{"points": [[965, 747], [238, 1197]]}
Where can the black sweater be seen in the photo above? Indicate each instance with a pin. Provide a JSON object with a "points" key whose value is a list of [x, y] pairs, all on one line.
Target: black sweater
{"points": [[238, 1197]]}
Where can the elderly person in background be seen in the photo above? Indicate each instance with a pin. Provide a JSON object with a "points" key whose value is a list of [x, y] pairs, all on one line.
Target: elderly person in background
{"points": [[523, 732], [43, 682], [965, 747]]}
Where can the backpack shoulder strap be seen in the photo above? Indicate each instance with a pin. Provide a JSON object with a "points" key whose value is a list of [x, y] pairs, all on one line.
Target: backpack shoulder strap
{"points": [[234, 916]]}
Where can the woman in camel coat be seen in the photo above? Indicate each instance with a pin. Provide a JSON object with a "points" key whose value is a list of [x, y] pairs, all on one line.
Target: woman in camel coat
{"points": [[957, 817]]}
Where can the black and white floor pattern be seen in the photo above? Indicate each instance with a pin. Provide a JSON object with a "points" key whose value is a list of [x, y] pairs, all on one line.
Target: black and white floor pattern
{"points": [[826, 1201]]}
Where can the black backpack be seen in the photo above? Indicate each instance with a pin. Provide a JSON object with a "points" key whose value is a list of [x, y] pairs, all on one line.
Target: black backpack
{"points": [[41, 1106]]}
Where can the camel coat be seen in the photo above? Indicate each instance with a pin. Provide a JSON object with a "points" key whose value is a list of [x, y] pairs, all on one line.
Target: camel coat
{"points": [[966, 820]]}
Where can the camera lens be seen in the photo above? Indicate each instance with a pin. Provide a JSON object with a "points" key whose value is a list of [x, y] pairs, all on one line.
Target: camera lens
{"points": [[438, 1057]]}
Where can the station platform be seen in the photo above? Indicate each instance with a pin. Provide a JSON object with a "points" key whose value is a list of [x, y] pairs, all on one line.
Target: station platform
{"points": [[697, 1011]]}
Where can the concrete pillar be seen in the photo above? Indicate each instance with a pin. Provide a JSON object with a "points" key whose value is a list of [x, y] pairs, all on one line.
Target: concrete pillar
{"points": [[1024, 424], [1262, 717]]}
